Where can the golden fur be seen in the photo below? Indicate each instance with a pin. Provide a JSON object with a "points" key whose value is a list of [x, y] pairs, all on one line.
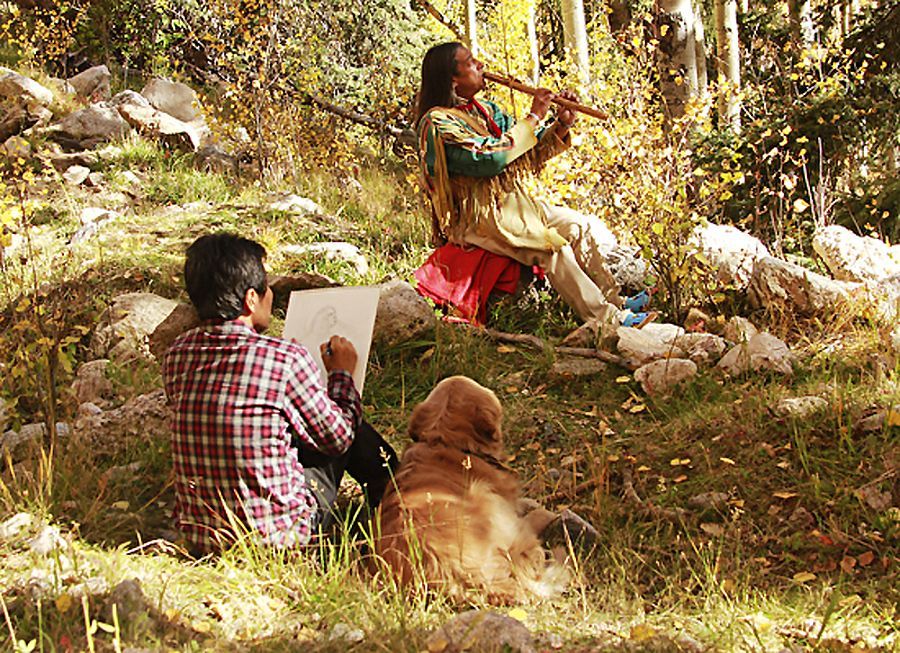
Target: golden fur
{"points": [[449, 521]]}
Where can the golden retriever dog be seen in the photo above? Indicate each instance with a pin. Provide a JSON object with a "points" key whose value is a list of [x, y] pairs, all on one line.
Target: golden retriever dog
{"points": [[449, 522]]}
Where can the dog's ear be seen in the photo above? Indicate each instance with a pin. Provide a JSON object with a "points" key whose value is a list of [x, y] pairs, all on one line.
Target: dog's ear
{"points": [[486, 422], [422, 417]]}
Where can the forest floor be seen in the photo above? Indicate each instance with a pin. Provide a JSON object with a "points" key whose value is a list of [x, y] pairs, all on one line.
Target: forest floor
{"points": [[799, 552]]}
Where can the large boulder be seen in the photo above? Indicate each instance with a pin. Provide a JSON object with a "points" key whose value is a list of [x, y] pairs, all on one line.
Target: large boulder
{"points": [[701, 348], [174, 98], [850, 257], [92, 83], [124, 329], [182, 318], [762, 352], [627, 266], [402, 315], [884, 296], [160, 126], [661, 377], [90, 126], [794, 289], [91, 383], [145, 418], [18, 89], [482, 630], [731, 252]]}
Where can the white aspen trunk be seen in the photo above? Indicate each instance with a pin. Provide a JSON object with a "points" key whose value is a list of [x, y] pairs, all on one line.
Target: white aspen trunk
{"points": [[745, 7], [677, 54], [575, 32], [729, 64], [472, 27], [700, 51], [803, 31], [533, 44]]}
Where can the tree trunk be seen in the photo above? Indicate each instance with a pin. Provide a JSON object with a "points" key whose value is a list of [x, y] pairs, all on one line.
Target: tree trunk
{"points": [[803, 32], [700, 51], [677, 54], [728, 64], [472, 26], [575, 36], [533, 44]]}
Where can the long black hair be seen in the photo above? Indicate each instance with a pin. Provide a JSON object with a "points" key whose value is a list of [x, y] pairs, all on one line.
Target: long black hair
{"points": [[438, 68]]}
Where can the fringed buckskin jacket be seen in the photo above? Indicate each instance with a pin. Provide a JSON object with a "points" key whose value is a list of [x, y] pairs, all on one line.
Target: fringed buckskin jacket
{"points": [[473, 159]]}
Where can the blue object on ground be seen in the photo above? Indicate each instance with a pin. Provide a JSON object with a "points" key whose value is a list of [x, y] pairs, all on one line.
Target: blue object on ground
{"points": [[638, 320], [637, 303]]}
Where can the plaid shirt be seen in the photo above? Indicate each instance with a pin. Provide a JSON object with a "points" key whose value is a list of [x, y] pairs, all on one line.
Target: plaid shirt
{"points": [[238, 398]]}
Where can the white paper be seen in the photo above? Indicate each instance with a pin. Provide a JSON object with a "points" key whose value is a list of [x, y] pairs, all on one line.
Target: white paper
{"points": [[313, 316]]}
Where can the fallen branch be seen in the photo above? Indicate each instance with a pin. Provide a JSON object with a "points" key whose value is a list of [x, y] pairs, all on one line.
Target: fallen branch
{"points": [[405, 136], [632, 497], [446, 22], [537, 343]]}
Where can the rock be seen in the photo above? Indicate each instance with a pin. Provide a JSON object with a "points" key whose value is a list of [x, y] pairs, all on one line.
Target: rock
{"points": [[129, 97], [334, 251], [575, 366], [93, 586], [794, 289], [662, 376], [91, 384], [801, 519], [92, 218], [627, 266], [76, 175], [17, 120], [709, 501], [342, 632], [640, 347], [129, 177], [584, 336], [123, 330], [130, 601], [24, 444], [283, 286], [895, 339], [212, 158], [16, 147], [92, 83], [800, 407], [702, 348], [20, 89], [182, 318], [47, 540], [145, 418], [296, 204], [697, 321], [63, 162], [402, 315], [90, 126], [871, 423], [15, 525], [739, 329], [884, 295], [174, 98], [481, 631], [569, 528], [731, 252], [762, 352], [663, 331], [854, 258], [96, 179], [162, 127]]}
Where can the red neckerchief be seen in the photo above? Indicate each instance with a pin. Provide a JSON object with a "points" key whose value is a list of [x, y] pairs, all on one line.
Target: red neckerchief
{"points": [[493, 127]]}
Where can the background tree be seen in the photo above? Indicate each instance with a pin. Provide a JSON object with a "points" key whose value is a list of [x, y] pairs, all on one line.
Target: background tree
{"points": [[677, 55], [576, 39], [728, 64]]}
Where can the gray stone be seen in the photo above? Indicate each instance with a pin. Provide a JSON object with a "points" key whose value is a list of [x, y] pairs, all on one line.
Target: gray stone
{"points": [[92, 218], [16, 147], [296, 204], [763, 352], [403, 315], [584, 336], [18, 88], [130, 601], [129, 97], [739, 329], [342, 632], [92, 83], [92, 586], [96, 179], [791, 289], [871, 423], [123, 330], [333, 251], [884, 295], [160, 126], [709, 501], [212, 158], [91, 384], [182, 318], [702, 348], [24, 444], [76, 175], [640, 347], [145, 418], [174, 98], [800, 407], [47, 540], [627, 266], [731, 252], [16, 524], [660, 377], [481, 631], [574, 366], [63, 162], [854, 258], [91, 125]]}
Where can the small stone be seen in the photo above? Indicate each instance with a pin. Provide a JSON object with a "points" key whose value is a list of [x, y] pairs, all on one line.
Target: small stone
{"points": [[331, 251], [76, 175], [15, 525], [800, 407], [47, 540], [296, 204], [484, 631], [96, 179], [91, 384], [661, 377], [801, 519], [739, 329], [341, 632], [16, 147]]}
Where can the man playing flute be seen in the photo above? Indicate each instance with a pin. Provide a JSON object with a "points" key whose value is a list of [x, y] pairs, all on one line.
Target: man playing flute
{"points": [[473, 158]]}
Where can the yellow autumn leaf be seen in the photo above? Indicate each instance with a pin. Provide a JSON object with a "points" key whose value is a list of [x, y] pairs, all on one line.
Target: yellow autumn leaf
{"points": [[892, 418], [637, 408], [518, 614], [804, 577], [120, 505], [612, 458], [623, 379], [800, 205], [727, 461], [784, 495], [643, 468], [642, 632], [63, 602]]}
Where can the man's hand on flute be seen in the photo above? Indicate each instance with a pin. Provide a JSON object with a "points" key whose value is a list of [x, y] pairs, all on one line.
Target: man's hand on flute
{"points": [[566, 117], [540, 105]]}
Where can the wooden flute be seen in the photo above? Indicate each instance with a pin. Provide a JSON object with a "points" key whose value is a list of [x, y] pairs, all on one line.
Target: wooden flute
{"points": [[561, 101]]}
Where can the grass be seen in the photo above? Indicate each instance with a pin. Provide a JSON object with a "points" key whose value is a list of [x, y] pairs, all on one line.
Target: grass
{"points": [[766, 569]]}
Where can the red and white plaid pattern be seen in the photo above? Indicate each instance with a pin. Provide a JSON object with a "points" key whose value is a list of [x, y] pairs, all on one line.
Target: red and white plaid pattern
{"points": [[237, 399]]}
